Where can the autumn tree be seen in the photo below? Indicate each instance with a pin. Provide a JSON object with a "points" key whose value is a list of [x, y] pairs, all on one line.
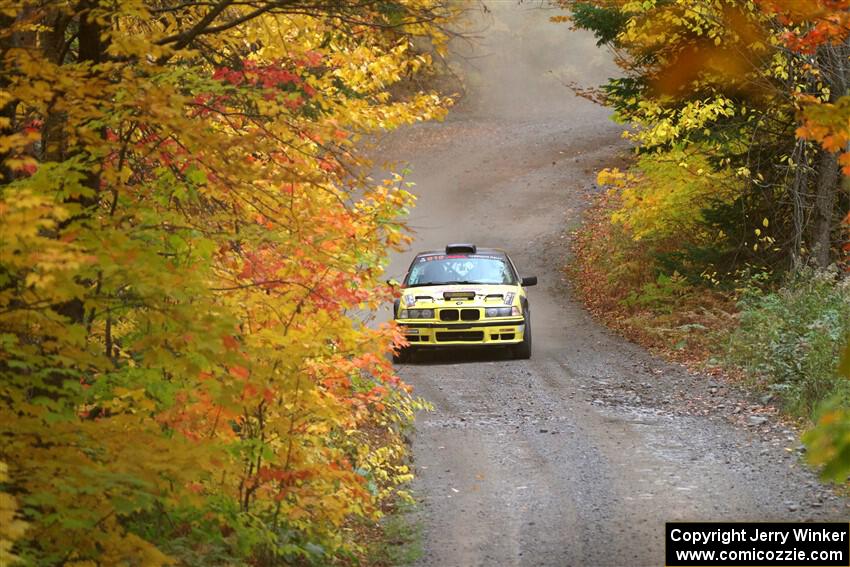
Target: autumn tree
{"points": [[717, 80], [187, 239]]}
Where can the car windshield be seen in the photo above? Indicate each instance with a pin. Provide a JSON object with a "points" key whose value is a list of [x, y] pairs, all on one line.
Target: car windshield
{"points": [[460, 269]]}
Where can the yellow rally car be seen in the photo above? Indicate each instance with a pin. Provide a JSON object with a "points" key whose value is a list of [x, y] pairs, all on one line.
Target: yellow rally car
{"points": [[464, 296]]}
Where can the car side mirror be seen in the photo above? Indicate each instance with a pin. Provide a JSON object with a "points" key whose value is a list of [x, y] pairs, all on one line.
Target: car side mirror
{"points": [[392, 282], [529, 281]]}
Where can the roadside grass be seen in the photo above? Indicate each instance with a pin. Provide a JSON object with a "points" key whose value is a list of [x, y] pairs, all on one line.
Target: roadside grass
{"points": [[397, 539], [394, 536], [780, 339]]}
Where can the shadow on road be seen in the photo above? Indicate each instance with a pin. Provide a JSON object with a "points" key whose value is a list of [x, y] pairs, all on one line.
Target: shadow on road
{"points": [[437, 356]]}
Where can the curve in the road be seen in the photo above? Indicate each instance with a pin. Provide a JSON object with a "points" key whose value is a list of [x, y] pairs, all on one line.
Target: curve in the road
{"points": [[578, 456]]}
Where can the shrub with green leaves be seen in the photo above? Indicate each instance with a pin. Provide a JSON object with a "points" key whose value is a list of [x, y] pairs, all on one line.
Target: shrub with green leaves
{"points": [[792, 338]]}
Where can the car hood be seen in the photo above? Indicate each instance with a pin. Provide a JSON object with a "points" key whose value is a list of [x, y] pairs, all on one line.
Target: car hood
{"points": [[458, 294]]}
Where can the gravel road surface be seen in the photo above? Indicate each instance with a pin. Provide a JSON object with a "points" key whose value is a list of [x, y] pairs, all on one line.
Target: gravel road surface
{"points": [[579, 455]]}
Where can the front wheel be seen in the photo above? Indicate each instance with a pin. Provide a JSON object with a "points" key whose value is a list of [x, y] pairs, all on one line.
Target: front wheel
{"points": [[523, 350], [404, 354]]}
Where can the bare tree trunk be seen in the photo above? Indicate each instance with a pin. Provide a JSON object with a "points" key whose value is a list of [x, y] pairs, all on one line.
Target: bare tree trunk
{"points": [[797, 191], [8, 110], [833, 62], [825, 196], [53, 47], [91, 49]]}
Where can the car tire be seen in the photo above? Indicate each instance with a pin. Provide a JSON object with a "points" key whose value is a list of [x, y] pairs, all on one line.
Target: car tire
{"points": [[522, 351], [404, 354]]}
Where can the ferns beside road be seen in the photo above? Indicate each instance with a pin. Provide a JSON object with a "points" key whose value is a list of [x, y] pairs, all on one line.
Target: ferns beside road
{"points": [[792, 338]]}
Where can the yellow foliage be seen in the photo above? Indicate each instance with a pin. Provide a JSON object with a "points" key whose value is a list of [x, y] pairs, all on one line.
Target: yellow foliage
{"points": [[185, 236], [666, 194], [12, 528]]}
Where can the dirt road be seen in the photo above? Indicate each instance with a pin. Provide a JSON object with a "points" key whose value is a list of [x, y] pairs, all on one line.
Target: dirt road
{"points": [[578, 456]]}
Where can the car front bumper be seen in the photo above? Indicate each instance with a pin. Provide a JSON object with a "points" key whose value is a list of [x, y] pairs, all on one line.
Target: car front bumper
{"points": [[442, 334]]}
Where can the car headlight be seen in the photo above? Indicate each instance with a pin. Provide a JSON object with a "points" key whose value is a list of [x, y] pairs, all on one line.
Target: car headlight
{"points": [[501, 311], [416, 314]]}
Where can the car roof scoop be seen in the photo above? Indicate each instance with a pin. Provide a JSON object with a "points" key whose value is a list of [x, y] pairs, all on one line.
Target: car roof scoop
{"points": [[461, 248]]}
